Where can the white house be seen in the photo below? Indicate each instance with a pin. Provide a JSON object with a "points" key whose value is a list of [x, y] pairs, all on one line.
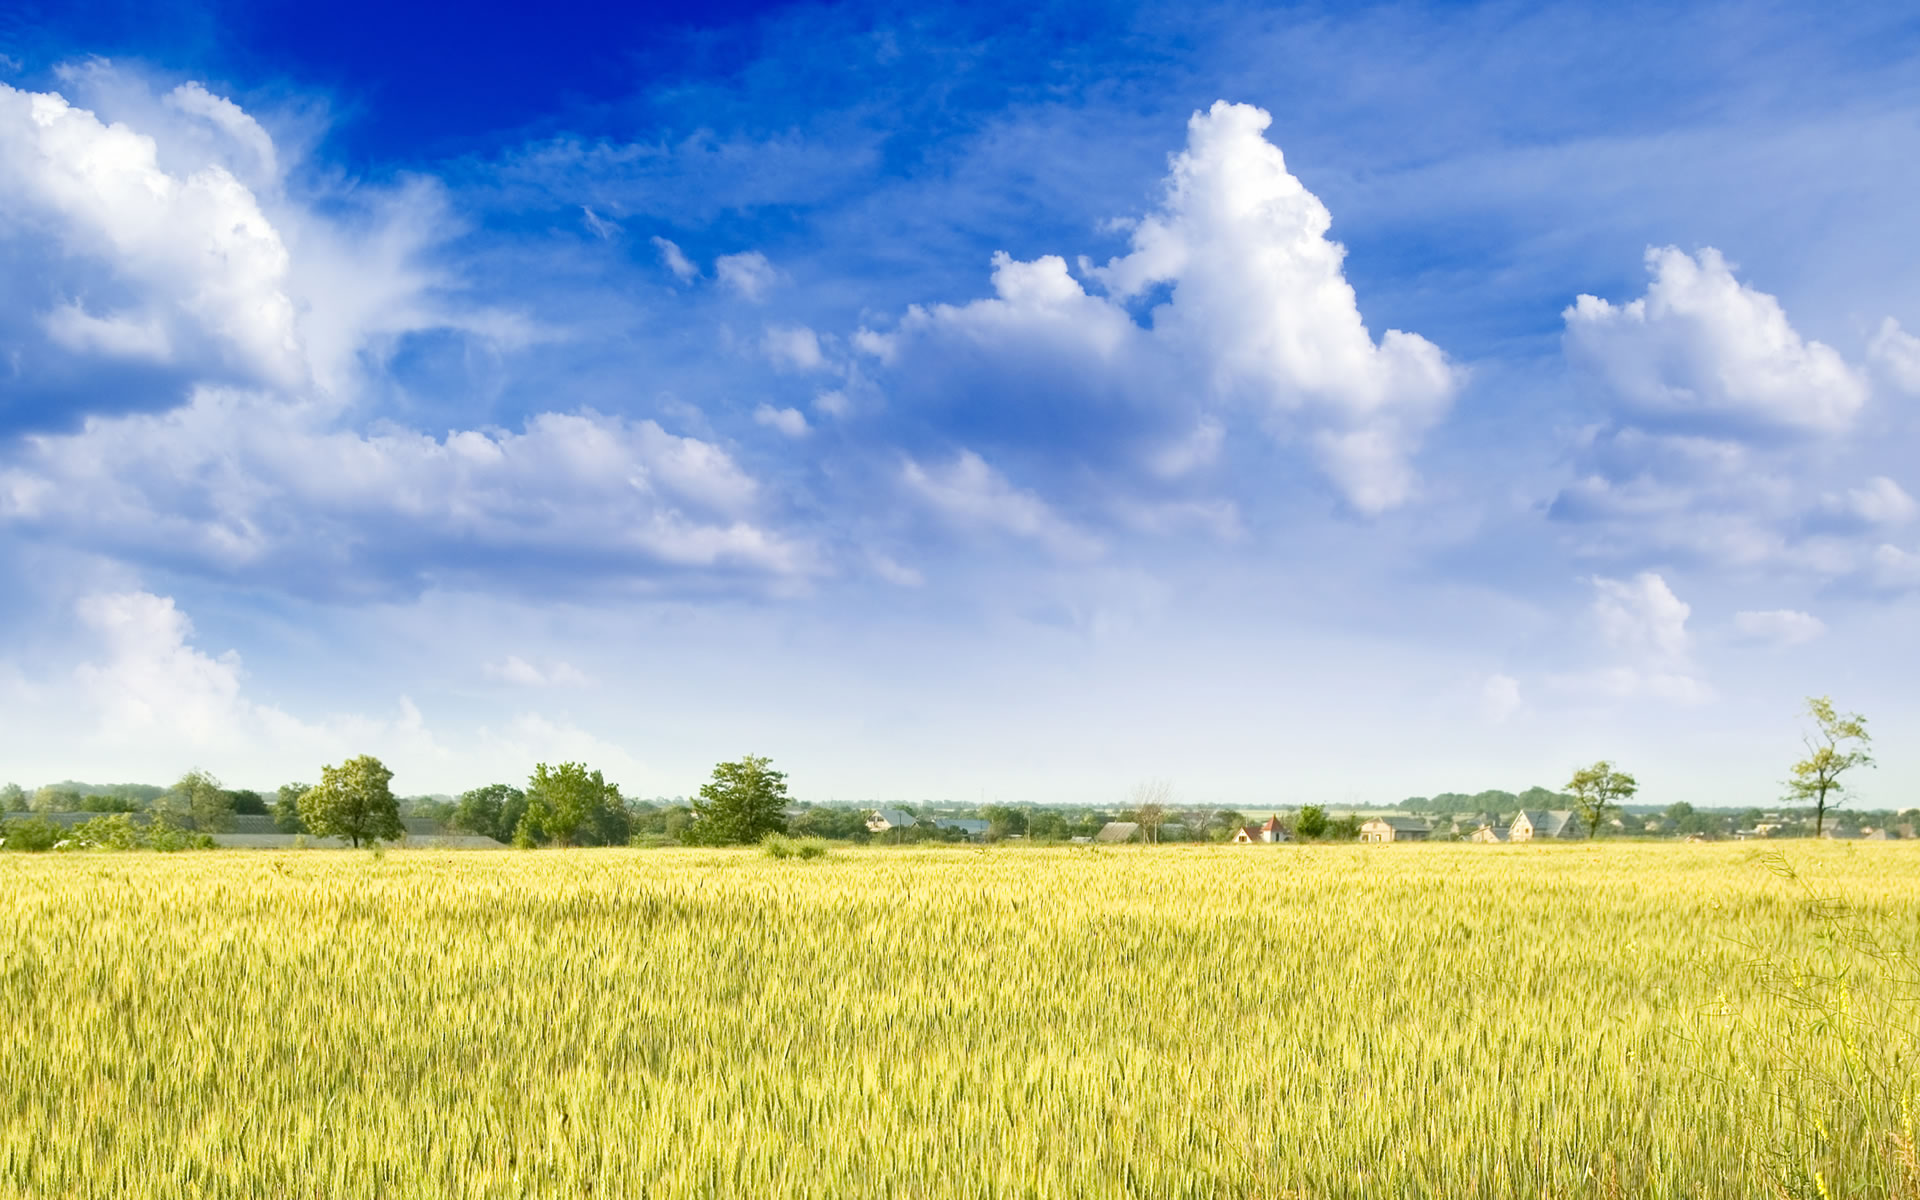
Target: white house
{"points": [[1395, 829], [1538, 826], [883, 819]]}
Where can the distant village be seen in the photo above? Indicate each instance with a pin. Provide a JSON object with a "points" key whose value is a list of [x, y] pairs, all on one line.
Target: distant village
{"points": [[61, 815]]}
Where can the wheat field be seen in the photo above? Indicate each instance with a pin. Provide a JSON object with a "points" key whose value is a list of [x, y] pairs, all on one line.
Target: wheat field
{"points": [[1619, 1020]]}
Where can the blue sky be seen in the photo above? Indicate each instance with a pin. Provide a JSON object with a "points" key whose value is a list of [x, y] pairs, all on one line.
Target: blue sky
{"points": [[1324, 403]]}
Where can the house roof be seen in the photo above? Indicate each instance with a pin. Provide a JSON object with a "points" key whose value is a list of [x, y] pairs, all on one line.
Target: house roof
{"points": [[967, 825], [1403, 824], [894, 816], [1117, 831]]}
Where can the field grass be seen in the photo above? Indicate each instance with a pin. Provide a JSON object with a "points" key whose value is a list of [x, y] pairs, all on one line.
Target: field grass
{"points": [[1626, 1020]]}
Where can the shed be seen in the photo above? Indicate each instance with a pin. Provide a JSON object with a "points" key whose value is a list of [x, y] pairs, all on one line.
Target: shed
{"points": [[1118, 831]]}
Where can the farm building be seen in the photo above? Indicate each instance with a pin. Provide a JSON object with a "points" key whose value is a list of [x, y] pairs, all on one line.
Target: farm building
{"points": [[1489, 834], [1539, 826], [883, 819], [975, 830], [1271, 831], [1118, 831], [1395, 829]]}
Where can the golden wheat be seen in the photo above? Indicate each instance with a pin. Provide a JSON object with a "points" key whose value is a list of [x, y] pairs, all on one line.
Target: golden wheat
{"points": [[1180, 1021]]}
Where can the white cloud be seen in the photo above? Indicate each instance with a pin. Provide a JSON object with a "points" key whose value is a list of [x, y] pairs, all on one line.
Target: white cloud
{"points": [[795, 347], [237, 483], [516, 670], [1778, 627], [676, 262], [1644, 626], [78, 330], [1881, 502], [895, 572], [163, 228], [155, 694], [1189, 453], [833, 402], [197, 246], [600, 226], [1258, 319], [790, 421], [750, 274], [1895, 353], [1702, 346], [970, 493]]}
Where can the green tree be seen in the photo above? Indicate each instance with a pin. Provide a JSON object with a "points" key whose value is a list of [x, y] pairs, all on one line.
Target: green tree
{"points": [[247, 801], [1311, 823], [197, 800], [286, 808], [13, 798], [743, 802], [52, 799], [1598, 790], [353, 801], [492, 811], [1837, 744], [569, 803]]}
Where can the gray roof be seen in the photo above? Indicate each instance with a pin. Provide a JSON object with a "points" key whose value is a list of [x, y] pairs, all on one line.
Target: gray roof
{"points": [[968, 826], [1118, 831], [1405, 824], [894, 816], [1558, 822]]}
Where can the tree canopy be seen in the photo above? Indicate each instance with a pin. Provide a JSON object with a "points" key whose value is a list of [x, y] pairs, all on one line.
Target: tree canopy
{"points": [[353, 801], [1837, 744], [1599, 790], [568, 804], [743, 802]]}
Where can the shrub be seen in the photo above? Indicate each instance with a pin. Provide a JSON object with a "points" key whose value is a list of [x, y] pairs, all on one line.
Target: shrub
{"points": [[33, 834], [116, 832], [779, 845]]}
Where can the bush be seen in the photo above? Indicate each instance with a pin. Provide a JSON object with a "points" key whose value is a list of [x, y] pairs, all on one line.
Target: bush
{"points": [[779, 845], [34, 834], [116, 832]]}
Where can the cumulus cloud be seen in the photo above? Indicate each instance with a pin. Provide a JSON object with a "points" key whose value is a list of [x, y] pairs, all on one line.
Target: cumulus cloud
{"points": [[1895, 355], [154, 691], [1721, 420], [1778, 627], [1705, 350], [794, 347], [1643, 626], [239, 484], [192, 251], [749, 274], [1881, 501], [972, 494], [1257, 320], [790, 421]]}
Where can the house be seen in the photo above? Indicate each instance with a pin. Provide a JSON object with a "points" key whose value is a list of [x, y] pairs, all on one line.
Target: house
{"points": [[1489, 834], [883, 819], [1118, 831], [975, 830], [1271, 831], [1396, 828], [1533, 826]]}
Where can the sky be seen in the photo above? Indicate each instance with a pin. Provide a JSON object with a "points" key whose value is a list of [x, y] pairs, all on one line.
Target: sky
{"points": [[1302, 404]]}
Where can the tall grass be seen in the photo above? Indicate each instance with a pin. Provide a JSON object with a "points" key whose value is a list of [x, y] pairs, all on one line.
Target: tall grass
{"points": [[1177, 1022]]}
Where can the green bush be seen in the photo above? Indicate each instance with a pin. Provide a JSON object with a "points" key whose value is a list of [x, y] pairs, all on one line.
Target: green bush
{"points": [[116, 832], [779, 845], [32, 834]]}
